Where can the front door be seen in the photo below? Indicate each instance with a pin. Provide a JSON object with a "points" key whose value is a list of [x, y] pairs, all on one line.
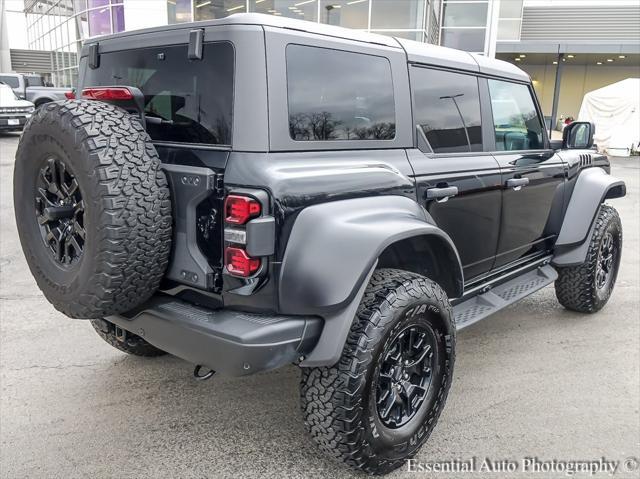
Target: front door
{"points": [[459, 185], [532, 175]]}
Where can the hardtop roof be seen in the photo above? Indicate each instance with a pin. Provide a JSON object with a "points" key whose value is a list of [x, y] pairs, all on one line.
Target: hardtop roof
{"points": [[417, 52]]}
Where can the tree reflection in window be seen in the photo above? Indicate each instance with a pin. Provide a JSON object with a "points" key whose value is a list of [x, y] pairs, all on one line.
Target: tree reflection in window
{"points": [[339, 95]]}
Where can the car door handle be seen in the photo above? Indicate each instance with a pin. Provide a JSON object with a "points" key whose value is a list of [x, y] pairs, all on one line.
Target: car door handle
{"points": [[442, 194], [517, 183]]}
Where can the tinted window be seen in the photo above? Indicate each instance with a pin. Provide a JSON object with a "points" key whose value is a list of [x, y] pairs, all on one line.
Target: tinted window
{"points": [[516, 120], [336, 95], [191, 101], [11, 81], [447, 109]]}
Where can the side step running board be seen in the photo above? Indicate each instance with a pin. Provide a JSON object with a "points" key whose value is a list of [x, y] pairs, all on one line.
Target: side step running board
{"points": [[479, 307]]}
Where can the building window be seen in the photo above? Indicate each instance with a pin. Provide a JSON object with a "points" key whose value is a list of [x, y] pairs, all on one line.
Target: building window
{"points": [[211, 9], [465, 14], [510, 20], [179, 11], [464, 24], [447, 109], [345, 13], [397, 14], [300, 9], [338, 95]]}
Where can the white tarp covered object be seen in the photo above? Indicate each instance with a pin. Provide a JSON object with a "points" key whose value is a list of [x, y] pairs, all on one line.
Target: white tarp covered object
{"points": [[615, 110]]}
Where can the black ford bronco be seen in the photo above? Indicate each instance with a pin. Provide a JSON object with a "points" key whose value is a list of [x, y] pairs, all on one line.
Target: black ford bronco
{"points": [[255, 191]]}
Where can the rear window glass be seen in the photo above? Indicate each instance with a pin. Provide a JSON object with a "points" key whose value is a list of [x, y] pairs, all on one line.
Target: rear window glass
{"points": [[338, 95], [191, 101], [11, 81]]}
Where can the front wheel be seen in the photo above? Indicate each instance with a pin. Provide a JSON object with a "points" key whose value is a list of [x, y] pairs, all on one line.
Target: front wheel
{"points": [[377, 406], [587, 287]]}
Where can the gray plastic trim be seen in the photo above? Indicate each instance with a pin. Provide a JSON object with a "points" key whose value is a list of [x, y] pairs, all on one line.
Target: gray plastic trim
{"points": [[231, 342], [261, 236], [326, 268], [336, 328], [590, 191], [189, 186], [593, 186]]}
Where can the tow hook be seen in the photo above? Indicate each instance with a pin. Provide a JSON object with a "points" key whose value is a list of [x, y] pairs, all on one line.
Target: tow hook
{"points": [[202, 377]]}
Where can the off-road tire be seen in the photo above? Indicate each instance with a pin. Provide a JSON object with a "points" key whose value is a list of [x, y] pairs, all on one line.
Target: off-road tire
{"points": [[338, 402], [127, 209], [131, 344], [576, 285]]}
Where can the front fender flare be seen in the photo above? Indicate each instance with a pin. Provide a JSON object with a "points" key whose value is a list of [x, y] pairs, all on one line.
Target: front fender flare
{"points": [[332, 252], [592, 188]]}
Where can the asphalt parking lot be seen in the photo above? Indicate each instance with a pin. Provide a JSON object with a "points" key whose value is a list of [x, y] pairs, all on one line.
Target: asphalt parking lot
{"points": [[532, 381]]}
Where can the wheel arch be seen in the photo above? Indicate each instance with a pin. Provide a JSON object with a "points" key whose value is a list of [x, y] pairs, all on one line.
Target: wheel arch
{"points": [[593, 187], [42, 100], [427, 255], [335, 247]]}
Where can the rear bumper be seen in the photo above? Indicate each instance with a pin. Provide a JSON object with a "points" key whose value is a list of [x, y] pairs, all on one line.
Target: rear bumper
{"points": [[231, 342]]}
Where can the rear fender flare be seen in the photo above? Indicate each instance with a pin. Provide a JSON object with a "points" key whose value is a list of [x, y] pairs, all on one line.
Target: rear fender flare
{"points": [[332, 252]]}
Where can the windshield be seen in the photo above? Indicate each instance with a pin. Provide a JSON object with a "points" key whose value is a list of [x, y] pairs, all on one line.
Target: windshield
{"points": [[10, 80], [185, 101], [6, 94]]}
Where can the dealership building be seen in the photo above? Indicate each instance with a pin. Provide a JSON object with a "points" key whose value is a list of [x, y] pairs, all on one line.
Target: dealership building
{"points": [[568, 47]]}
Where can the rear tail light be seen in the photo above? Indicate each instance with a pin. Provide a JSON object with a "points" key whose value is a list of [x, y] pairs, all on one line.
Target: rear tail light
{"points": [[239, 263], [107, 94], [69, 95], [240, 209]]}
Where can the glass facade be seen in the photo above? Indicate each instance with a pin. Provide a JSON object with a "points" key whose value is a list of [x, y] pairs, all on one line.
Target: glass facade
{"points": [[412, 19], [464, 24], [60, 26], [510, 20]]}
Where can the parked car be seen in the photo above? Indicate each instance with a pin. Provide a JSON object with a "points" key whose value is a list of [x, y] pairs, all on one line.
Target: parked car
{"points": [[255, 191], [31, 87], [14, 112]]}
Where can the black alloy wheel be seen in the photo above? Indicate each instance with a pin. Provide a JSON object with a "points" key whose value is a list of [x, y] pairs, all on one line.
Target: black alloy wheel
{"points": [[606, 261], [405, 376], [60, 212]]}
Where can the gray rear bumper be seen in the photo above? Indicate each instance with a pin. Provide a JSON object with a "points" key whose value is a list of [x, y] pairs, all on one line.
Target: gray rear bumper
{"points": [[231, 342]]}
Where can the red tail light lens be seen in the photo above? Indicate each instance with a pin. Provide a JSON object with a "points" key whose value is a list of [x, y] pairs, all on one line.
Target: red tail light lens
{"points": [[239, 263], [69, 95], [240, 209], [107, 94]]}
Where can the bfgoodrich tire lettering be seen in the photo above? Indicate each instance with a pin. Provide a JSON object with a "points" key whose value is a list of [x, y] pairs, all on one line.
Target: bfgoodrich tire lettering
{"points": [[127, 210], [339, 402], [577, 287]]}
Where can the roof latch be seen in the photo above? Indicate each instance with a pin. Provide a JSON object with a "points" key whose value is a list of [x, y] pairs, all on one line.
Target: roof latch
{"points": [[196, 38]]}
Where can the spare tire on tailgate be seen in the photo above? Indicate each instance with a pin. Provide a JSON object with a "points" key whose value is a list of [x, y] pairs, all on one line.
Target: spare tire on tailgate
{"points": [[92, 207]]}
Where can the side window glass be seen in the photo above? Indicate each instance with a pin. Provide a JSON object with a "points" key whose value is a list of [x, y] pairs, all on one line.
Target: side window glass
{"points": [[338, 95], [447, 109], [515, 118]]}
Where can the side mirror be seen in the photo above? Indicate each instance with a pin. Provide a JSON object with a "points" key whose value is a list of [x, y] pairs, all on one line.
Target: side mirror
{"points": [[578, 136]]}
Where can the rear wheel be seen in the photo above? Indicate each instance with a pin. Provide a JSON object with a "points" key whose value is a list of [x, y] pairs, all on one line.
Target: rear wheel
{"points": [[378, 405], [587, 287]]}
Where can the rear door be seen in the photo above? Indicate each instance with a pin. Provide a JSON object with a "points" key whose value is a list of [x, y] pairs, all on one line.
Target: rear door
{"points": [[450, 161], [532, 174]]}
